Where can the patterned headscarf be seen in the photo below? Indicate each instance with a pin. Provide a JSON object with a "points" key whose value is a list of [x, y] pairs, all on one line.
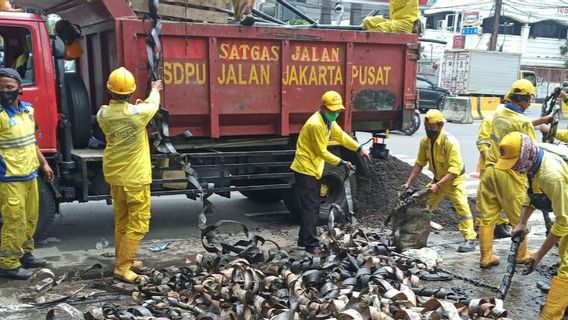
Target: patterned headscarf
{"points": [[528, 157]]}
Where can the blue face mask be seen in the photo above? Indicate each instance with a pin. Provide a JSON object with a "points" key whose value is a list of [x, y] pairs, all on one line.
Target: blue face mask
{"points": [[331, 116]]}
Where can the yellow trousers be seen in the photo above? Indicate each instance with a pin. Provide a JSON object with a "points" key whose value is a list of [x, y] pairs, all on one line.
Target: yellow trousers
{"points": [[242, 7], [562, 271], [131, 207], [19, 206], [502, 217], [501, 191], [387, 25], [457, 194]]}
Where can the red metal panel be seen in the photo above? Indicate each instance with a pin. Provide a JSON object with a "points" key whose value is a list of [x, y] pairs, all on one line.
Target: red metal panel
{"points": [[285, 103], [214, 92], [226, 80]]}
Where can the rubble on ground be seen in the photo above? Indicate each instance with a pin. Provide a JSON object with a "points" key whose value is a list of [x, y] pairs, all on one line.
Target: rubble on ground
{"points": [[373, 205], [254, 278]]}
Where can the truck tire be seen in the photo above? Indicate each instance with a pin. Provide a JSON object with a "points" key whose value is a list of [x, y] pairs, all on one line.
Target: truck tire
{"points": [[79, 110], [334, 178], [263, 196], [47, 211]]}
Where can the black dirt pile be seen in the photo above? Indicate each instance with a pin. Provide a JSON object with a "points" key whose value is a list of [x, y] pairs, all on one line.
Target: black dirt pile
{"points": [[373, 204]]}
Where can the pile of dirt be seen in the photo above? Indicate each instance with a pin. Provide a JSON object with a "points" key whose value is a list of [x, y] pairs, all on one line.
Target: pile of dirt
{"points": [[373, 204]]}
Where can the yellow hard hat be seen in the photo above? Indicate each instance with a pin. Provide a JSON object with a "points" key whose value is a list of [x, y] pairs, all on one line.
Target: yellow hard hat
{"points": [[510, 150], [522, 87], [121, 81], [434, 116], [332, 101]]}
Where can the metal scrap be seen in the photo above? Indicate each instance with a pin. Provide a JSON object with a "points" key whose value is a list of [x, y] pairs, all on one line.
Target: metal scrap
{"points": [[253, 278]]}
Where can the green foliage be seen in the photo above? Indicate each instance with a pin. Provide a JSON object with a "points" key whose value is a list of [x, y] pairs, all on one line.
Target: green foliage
{"points": [[51, 20], [298, 22]]}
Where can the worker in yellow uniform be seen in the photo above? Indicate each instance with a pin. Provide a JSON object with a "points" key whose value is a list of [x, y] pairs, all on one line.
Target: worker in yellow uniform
{"points": [[502, 228], [404, 17], [441, 151], [505, 190], [549, 175], [127, 167], [310, 158], [20, 159], [242, 10]]}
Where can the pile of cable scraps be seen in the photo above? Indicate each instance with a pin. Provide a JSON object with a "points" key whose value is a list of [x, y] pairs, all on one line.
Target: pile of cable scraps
{"points": [[360, 279]]}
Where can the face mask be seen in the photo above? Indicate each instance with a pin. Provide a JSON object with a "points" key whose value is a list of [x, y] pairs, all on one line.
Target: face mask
{"points": [[7, 97], [432, 133], [331, 116]]}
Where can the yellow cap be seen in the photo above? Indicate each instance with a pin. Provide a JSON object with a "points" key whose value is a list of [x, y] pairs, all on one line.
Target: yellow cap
{"points": [[507, 97], [434, 116], [121, 81], [510, 151], [332, 101], [522, 87]]}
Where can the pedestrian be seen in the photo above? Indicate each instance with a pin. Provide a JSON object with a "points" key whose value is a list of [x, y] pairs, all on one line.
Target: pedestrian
{"points": [[441, 151], [505, 190], [549, 175], [127, 167], [502, 227], [20, 159], [311, 155], [403, 17]]}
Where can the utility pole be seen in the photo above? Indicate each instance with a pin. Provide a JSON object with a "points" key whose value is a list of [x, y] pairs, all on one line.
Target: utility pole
{"points": [[495, 33]]}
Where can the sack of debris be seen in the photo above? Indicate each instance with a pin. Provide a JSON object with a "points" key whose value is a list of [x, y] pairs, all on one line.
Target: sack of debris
{"points": [[411, 220]]}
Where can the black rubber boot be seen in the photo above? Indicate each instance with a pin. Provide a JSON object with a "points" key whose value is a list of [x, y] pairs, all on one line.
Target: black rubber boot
{"points": [[29, 261], [19, 273], [467, 246], [502, 231]]}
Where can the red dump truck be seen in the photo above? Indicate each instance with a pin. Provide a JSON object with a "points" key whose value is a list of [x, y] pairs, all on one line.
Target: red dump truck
{"points": [[237, 98]]}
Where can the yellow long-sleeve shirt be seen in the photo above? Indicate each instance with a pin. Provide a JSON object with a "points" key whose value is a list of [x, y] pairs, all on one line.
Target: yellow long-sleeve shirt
{"points": [[562, 135], [444, 158], [552, 179], [311, 149], [126, 158], [504, 122], [18, 150]]}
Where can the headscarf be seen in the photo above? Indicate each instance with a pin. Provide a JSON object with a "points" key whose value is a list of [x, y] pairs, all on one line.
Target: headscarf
{"points": [[529, 155]]}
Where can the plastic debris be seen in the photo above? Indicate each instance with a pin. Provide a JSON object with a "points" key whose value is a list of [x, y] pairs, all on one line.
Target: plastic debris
{"points": [[160, 247], [102, 244], [49, 240]]}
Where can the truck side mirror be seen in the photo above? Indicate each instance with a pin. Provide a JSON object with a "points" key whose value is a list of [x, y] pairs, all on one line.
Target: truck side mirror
{"points": [[58, 47]]}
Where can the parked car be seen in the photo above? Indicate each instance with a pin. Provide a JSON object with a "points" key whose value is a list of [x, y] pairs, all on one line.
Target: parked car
{"points": [[430, 96]]}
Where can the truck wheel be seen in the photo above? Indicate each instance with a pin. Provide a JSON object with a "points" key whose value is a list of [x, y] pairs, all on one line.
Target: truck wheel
{"points": [[79, 110], [333, 180], [263, 196], [47, 210]]}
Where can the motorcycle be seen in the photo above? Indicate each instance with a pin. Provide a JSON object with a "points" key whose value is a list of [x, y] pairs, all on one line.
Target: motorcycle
{"points": [[414, 124]]}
